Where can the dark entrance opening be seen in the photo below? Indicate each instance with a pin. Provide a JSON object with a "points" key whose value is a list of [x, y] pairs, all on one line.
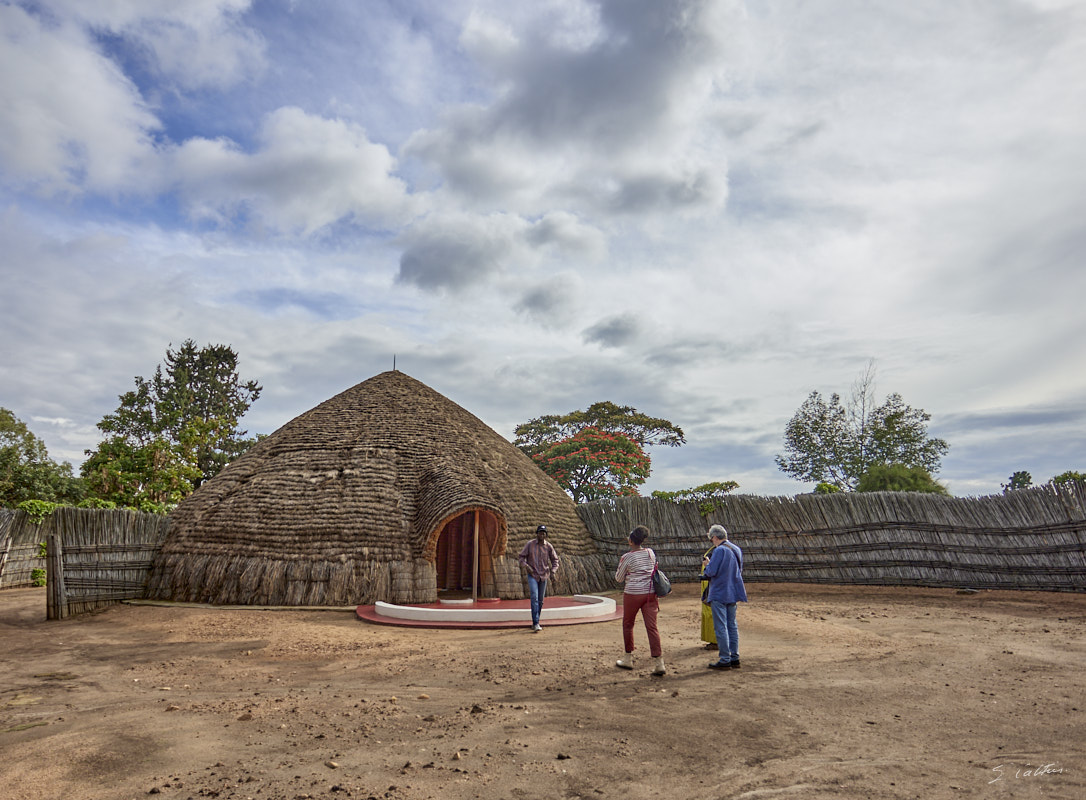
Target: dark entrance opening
{"points": [[465, 556]]}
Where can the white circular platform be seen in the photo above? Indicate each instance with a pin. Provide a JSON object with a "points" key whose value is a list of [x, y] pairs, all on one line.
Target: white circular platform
{"points": [[585, 606]]}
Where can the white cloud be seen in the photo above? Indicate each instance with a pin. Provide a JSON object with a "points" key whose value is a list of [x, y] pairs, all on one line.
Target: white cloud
{"points": [[74, 121], [307, 173], [192, 44], [71, 119], [610, 122]]}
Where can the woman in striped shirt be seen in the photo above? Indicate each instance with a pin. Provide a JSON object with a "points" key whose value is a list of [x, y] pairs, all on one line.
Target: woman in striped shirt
{"points": [[635, 568]]}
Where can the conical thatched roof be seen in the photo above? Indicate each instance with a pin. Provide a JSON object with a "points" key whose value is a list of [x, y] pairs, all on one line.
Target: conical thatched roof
{"points": [[359, 485]]}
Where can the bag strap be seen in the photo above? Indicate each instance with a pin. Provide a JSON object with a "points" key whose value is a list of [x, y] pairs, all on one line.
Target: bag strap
{"points": [[738, 554]]}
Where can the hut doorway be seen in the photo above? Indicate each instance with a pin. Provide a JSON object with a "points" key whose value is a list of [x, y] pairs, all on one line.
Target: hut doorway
{"points": [[464, 559]]}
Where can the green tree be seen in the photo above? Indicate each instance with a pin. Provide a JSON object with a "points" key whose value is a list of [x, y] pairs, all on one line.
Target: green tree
{"points": [[708, 496], [836, 443], [153, 477], [542, 433], [1068, 477], [26, 470], [593, 464], [174, 431], [1018, 480], [899, 478]]}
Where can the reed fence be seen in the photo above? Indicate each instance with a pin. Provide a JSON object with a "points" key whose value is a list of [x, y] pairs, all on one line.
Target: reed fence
{"points": [[20, 545], [94, 557], [1031, 539]]}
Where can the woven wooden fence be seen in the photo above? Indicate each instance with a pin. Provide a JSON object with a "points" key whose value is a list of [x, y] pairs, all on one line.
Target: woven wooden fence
{"points": [[94, 557], [20, 545], [1032, 539]]}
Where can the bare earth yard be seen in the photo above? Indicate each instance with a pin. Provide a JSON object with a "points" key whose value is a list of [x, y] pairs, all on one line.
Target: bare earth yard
{"points": [[844, 692]]}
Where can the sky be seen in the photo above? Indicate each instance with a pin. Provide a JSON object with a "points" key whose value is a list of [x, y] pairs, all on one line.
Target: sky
{"points": [[702, 209]]}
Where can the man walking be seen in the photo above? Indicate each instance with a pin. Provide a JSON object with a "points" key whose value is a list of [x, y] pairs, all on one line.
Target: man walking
{"points": [[724, 569], [539, 558]]}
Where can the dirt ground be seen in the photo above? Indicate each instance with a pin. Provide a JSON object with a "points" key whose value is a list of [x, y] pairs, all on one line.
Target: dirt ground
{"points": [[844, 692]]}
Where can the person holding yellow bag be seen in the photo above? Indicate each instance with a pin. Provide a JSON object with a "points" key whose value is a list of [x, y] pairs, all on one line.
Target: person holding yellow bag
{"points": [[708, 634]]}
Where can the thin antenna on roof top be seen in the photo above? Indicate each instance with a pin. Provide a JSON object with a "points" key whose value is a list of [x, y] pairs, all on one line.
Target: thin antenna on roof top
{"points": [[393, 362]]}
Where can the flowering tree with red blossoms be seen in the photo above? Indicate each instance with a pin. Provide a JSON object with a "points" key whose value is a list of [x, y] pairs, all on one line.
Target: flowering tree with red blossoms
{"points": [[592, 464]]}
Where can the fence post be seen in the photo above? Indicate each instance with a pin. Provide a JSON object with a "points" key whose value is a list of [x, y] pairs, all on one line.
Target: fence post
{"points": [[4, 557], [56, 602]]}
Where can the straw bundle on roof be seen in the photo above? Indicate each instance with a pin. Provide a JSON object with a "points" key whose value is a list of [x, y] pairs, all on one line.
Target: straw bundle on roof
{"points": [[345, 504]]}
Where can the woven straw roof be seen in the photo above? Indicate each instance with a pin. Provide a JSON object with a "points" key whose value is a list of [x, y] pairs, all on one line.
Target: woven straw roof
{"points": [[372, 474]]}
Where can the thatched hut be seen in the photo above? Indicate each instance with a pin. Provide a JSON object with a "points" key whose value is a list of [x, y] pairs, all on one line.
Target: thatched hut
{"points": [[388, 491]]}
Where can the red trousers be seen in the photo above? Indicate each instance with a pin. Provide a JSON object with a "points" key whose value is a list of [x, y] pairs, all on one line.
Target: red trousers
{"points": [[648, 605]]}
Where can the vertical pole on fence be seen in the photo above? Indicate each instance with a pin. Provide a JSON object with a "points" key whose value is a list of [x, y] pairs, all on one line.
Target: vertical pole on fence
{"points": [[4, 557], [56, 606]]}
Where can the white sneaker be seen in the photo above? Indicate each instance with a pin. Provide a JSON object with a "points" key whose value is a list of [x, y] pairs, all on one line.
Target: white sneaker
{"points": [[537, 628]]}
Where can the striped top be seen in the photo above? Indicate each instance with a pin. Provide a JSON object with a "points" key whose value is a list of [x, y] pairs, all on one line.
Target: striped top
{"points": [[635, 567]]}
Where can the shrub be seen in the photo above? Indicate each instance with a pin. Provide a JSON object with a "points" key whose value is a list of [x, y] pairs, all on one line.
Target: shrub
{"points": [[38, 510], [899, 478]]}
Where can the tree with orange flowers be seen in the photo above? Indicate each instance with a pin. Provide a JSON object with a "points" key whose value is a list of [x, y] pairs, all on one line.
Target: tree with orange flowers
{"points": [[597, 452], [593, 464]]}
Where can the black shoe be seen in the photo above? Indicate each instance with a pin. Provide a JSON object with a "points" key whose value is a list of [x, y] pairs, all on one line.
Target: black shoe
{"points": [[735, 664], [721, 665], [710, 646]]}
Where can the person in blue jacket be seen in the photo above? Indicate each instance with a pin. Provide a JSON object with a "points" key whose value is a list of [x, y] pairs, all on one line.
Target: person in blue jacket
{"points": [[724, 569]]}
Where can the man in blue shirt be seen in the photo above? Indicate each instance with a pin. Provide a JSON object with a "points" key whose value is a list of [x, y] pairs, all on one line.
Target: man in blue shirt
{"points": [[724, 569]]}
